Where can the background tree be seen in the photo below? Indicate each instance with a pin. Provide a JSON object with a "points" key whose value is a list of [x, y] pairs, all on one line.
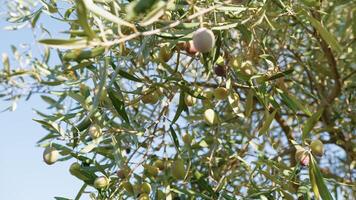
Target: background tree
{"points": [[195, 99]]}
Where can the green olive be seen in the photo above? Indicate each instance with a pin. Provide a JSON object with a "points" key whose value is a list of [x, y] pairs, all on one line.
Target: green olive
{"points": [[74, 168], [187, 139], [146, 188], [165, 53], [127, 186], [150, 98], [160, 195], [221, 93], [50, 155], [211, 117], [95, 131], [159, 164], [189, 100], [178, 170], [151, 170], [317, 147], [144, 196], [101, 182]]}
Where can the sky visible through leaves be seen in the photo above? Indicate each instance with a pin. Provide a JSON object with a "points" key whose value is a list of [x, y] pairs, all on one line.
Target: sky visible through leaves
{"points": [[23, 173]]}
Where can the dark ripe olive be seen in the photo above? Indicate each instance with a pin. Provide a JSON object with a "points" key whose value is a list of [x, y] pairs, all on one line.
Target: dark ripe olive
{"points": [[128, 150], [220, 70]]}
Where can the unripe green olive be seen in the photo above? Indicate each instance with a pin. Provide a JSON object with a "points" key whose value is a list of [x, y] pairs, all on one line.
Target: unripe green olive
{"points": [[151, 170], [50, 155], [301, 156], [221, 93], [317, 147], [101, 182], [144, 196], [74, 168], [167, 16], [208, 93], [177, 169], [211, 117], [150, 98], [189, 100], [187, 139], [123, 172], [95, 131], [165, 53], [160, 195], [146, 188], [127, 186], [159, 164], [204, 40]]}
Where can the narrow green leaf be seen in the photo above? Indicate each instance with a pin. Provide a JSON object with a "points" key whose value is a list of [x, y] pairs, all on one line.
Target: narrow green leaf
{"points": [[235, 9], [128, 76], [310, 123], [203, 183], [79, 98], [35, 18], [326, 35], [319, 180], [84, 124], [226, 196], [280, 74], [249, 103], [139, 7], [83, 19], [189, 192], [49, 125], [65, 44], [292, 102], [52, 83], [61, 198], [154, 14], [247, 35], [81, 191], [174, 137], [267, 120], [88, 148], [299, 105], [49, 100], [47, 137], [181, 107], [78, 54], [313, 184], [125, 74], [6, 63], [91, 6], [118, 105]]}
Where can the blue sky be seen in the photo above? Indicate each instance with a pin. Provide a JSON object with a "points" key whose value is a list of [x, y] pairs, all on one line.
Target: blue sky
{"points": [[24, 176]]}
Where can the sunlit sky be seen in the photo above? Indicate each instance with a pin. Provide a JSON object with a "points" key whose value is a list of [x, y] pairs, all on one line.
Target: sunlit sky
{"points": [[24, 176]]}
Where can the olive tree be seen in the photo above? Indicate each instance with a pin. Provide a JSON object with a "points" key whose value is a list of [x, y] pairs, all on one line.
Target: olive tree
{"points": [[193, 99]]}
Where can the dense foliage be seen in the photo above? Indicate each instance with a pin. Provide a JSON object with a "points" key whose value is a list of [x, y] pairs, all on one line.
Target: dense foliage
{"points": [[195, 99]]}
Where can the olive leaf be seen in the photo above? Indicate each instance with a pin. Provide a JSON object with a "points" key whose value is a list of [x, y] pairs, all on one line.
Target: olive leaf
{"points": [[317, 180], [310, 123]]}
